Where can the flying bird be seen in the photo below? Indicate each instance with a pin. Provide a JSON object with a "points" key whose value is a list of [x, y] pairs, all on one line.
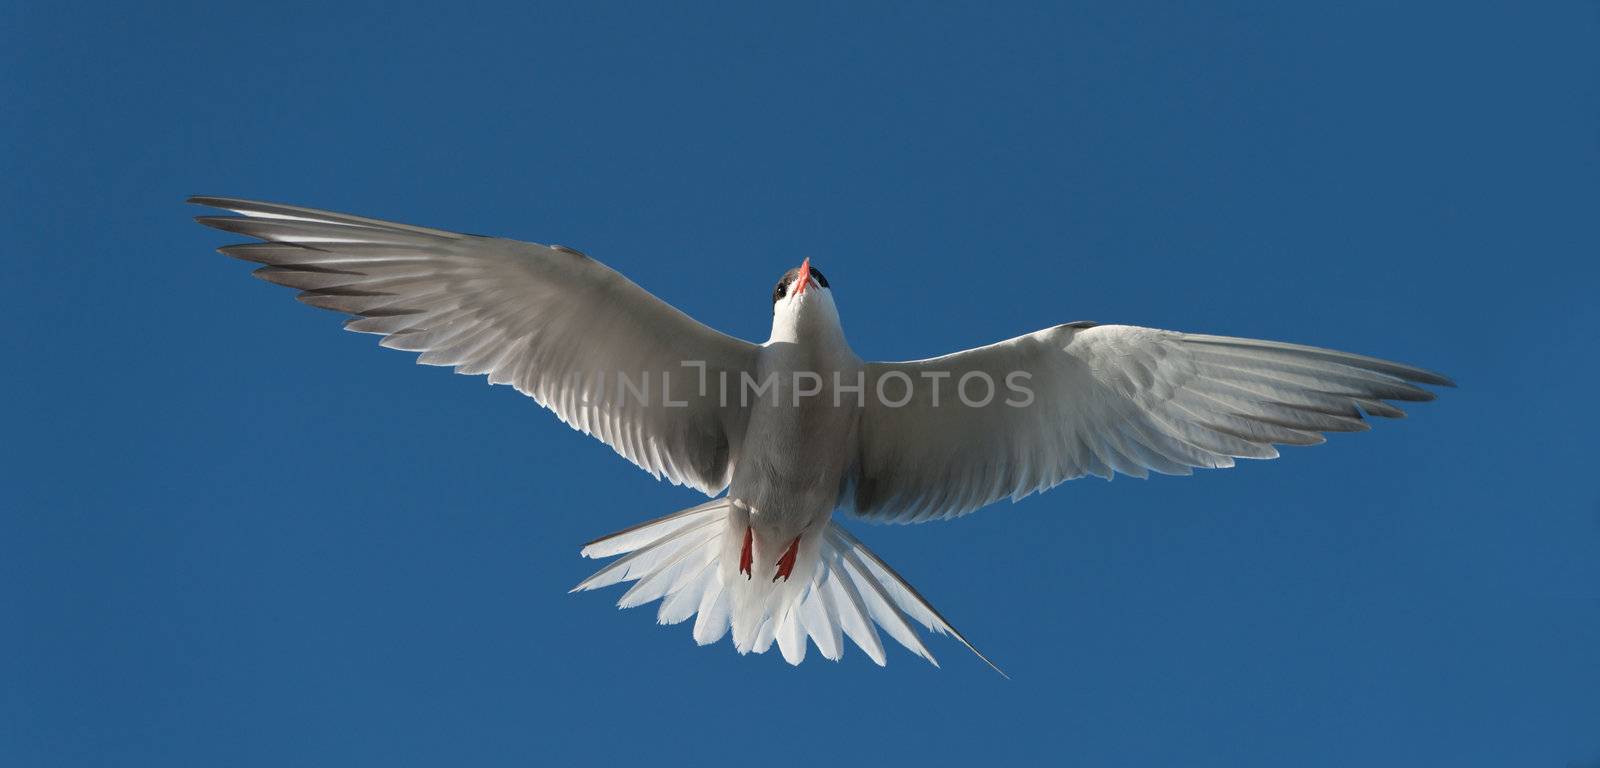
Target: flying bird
{"points": [[785, 433]]}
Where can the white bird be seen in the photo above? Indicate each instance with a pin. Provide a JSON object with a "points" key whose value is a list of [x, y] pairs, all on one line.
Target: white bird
{"points": [[800, 426]]}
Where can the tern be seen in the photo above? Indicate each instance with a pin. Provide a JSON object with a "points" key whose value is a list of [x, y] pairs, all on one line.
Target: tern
{"points": [[800, 427]]}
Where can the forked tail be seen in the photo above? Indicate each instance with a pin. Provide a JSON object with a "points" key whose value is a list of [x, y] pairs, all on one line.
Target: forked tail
{"points": [[677, 559]]}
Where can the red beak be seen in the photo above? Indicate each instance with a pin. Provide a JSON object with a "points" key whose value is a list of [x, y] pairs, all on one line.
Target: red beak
{"points": [[804, 278]]}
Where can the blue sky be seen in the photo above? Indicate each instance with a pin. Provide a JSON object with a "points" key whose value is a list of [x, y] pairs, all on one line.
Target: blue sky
{"points": [[234, 535]]}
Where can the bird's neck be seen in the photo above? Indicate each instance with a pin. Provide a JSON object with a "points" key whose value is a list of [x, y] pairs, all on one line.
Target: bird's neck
{"points": [[817, 325]]}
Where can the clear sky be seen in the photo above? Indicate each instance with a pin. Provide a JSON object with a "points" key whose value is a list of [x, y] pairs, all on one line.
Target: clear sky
{"points": [[234, 535]]}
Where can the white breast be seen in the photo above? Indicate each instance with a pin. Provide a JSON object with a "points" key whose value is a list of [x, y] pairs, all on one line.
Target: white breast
{"points": [[804, 408]]}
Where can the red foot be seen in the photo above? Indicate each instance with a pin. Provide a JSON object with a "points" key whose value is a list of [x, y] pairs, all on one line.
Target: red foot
{"points": [[745, 554], [786, 563]]}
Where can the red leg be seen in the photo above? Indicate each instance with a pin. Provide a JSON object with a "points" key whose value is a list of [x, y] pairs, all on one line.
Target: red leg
{"points": [[786, 563], [745, 555]]}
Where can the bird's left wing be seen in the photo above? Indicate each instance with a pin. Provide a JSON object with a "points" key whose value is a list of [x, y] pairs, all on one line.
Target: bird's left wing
{"points": [[559, 326], [944, 436]]}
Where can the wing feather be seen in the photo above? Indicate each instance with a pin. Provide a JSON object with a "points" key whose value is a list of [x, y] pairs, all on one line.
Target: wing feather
{"points": [[1102, 400], [557, 325]]}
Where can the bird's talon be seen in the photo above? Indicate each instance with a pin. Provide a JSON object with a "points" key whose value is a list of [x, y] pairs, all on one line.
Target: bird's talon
{"points": [[745, 554], [786, 563]]}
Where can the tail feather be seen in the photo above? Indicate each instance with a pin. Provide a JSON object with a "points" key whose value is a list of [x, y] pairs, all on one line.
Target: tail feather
{"points": [[668, 579], [882, 608], [686, 596], [646, 546], [630, 539], [792, 636], [765, 635], [817, 617], [678, 559], [712, 622], [854, 619], [903, 595]]}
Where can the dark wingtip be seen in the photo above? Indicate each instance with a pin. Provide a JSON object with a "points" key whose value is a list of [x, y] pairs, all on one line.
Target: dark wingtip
{"points": [[1422, 376], [225, 223], [1425, 376]]}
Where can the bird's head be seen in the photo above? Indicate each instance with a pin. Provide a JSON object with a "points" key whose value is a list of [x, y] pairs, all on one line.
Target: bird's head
{"points": [[802, 303]]}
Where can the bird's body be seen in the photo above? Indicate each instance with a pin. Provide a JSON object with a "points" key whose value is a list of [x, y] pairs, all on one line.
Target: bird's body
{"points": [[798, 444], [800, 426]]}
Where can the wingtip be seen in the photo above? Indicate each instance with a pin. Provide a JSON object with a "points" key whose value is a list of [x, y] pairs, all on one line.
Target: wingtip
{"points": [[1431, 378], [228, 224]]}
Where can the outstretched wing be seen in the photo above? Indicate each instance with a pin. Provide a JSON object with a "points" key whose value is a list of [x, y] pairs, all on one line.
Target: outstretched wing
{"points": [[1082, 399], [607, 357]]}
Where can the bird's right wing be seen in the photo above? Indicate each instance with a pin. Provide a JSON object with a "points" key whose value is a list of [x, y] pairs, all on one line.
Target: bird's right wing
{"points": [[1082, 399], [559, 326]]}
